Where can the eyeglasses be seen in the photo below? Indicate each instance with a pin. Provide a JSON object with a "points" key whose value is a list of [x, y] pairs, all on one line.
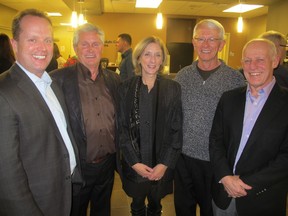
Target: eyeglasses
{"points": [[208, 40]]}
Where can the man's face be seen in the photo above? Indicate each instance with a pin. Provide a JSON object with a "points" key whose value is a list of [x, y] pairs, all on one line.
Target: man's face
{"points": [[120, 45], [207, 44], [34, 47], [258, 64], [89, 49]]}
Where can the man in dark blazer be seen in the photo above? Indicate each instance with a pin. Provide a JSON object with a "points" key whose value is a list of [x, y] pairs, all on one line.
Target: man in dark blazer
{"points": [[38, 155], [91, 97], [249, 140]]}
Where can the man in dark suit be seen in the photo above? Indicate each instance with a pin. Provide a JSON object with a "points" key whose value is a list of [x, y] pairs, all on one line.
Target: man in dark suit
{"points": [[91, 96], [38, 155], [249, 140]]}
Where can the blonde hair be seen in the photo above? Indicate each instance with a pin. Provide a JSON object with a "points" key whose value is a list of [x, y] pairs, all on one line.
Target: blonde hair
{"points": [[139, 49]]}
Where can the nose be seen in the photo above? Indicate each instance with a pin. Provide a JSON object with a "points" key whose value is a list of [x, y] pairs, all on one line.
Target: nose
{"points": [[153, 58], [42, 45]]}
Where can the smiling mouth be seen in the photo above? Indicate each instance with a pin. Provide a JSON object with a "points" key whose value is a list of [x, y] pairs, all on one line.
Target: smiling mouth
{"points": [[254, 74], [39, 56]]}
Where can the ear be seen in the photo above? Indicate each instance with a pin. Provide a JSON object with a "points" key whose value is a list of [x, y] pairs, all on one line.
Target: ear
{"points": [[14, 44], [275, 61], [222, 44]]}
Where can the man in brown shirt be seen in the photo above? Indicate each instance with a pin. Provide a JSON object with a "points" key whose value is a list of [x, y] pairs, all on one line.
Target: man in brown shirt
{"points": [[91, 97]]}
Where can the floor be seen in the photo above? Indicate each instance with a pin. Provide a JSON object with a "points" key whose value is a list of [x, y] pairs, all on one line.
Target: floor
{"points": [[121, 202]]}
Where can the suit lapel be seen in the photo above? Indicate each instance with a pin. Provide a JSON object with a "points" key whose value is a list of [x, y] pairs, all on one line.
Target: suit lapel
{"points": [[29, 88], [73, 97], [238, 116]]}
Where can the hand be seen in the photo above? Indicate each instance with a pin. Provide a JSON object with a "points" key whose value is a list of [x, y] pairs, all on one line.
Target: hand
{"points": [[158, 172], [234, 186], [142, 169]]}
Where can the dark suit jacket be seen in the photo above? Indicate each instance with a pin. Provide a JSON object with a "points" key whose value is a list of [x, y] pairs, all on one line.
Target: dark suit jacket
{"points": [[264, 161], [35, 172], [281, 75], [68, 80]]}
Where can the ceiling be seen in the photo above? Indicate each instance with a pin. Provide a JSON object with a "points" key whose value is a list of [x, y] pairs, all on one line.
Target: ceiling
{"points": [[210, 8]]}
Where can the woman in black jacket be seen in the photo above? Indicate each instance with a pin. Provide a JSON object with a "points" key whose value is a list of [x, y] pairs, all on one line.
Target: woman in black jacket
{"points": [[150, 129]]}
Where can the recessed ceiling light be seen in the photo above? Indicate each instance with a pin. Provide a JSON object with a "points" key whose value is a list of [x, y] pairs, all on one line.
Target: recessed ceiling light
{"points": [[54, 14], [242, 8], [148, 3]]}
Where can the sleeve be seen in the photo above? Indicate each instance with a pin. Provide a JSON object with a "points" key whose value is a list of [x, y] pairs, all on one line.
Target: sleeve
{"points": [[217, 147], [172, 145], [15, 195], [125, 144]]}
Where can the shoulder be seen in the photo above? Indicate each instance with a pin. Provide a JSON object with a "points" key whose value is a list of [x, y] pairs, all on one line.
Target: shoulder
{"points": [[186, 72], [6, 81], [234, 93], [169, 83], [110, 75], [62, 72]]}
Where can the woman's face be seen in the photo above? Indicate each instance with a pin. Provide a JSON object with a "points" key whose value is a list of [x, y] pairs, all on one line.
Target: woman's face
{"points": [[151, 59]]}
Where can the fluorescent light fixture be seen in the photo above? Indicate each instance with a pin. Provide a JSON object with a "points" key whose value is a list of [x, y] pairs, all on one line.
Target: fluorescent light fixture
{"points": [[240, 24], [65, 24], [74, 19], [54, 14], [242, 8], [159, 21], [148, 3]]}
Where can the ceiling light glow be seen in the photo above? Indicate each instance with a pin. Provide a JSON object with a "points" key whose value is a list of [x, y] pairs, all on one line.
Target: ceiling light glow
{"points": [[242, 8], [148, 3]]}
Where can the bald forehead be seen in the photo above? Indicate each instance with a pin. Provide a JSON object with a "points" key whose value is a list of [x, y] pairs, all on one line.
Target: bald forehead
{"points": [[260, 45]]}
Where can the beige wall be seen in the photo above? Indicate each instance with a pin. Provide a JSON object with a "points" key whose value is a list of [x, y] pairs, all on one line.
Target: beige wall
{"points": [[137, 25], [142, 25], [278, 16], [7, 15]]}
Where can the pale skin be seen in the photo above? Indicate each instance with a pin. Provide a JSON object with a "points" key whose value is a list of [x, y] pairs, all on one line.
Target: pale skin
{"points": [[34, 47], [89, 51], [151, 59], [258, 64], [208, 52]]}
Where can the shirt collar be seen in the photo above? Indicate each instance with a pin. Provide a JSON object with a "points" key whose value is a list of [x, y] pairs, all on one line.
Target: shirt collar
{"points": [[85, 72], [264, 91], [35, 79]]}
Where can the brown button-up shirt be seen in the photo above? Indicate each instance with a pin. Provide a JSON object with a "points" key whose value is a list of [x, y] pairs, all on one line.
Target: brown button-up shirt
{"points": [[98, 113]]}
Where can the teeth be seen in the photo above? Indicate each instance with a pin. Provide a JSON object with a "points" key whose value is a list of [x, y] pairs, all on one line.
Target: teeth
{"points": [[38, 57], [254, 74]]}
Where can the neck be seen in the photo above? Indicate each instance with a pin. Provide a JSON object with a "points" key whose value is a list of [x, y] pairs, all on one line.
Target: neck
{"points": [[149, 80], [208, 65], [94, 72]]}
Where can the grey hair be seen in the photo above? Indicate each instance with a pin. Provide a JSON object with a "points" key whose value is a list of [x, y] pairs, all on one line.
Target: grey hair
{"points": [[88, 28], [211, 24]]}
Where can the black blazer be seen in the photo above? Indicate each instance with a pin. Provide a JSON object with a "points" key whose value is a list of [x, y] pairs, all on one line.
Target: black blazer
{"points": [[264, 161], [67, 78], [168, 126], [35, 170]]}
